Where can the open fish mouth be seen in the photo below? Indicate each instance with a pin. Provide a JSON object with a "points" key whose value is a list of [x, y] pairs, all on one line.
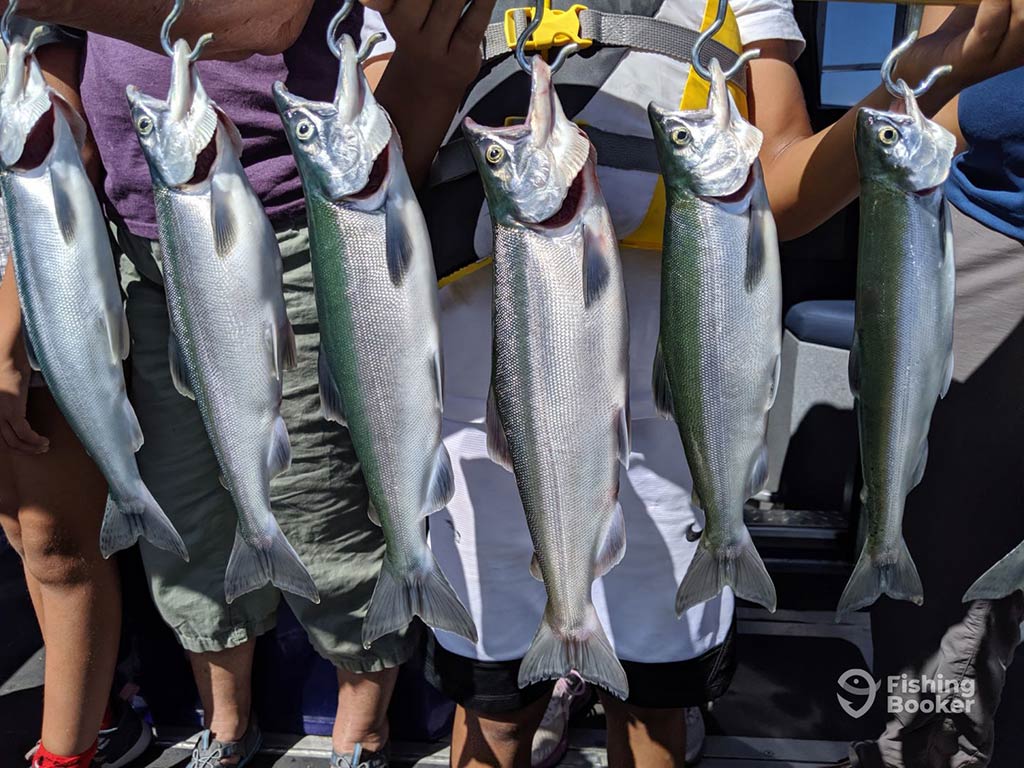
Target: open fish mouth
{"points": [[570, 205], [378, 173], [39, 142], [204, 161]]}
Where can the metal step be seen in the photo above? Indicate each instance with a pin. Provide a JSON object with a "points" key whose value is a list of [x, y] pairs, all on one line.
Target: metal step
{"points": [[586, 750]]}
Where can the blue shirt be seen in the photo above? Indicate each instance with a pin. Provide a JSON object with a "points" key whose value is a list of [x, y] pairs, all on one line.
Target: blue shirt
{"points": [[987, 181]]}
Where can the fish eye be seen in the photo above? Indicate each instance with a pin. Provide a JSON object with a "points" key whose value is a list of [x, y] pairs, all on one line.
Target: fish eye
{"points": [[144, 125], [304, 130], [680, 137], [495, 154], [888, 135]]}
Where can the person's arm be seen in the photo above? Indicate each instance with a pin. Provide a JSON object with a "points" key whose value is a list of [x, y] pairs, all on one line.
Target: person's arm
{"points": [[240, 27], [437, 56], [810, 176]]}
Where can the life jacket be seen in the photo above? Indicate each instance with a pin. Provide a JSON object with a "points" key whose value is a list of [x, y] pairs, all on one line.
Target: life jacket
{"points": [[605, 30]]}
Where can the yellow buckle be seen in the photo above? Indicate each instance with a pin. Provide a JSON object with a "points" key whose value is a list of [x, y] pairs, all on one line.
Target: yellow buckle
{"points": [[556, 28]]}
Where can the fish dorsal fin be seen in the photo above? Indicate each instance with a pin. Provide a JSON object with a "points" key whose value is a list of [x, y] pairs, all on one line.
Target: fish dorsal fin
{"points": [[179, 371], [331, 404], [442, 482], [280, 457], [613, 548], [497, 443], [660, 386]]}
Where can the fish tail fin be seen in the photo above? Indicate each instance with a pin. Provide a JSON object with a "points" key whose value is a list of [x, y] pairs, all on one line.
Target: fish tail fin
{"points": [[127, 520], [893, 574], [738, 566], [587, 651], [1001, 579], [275, 562], [424, 592]]}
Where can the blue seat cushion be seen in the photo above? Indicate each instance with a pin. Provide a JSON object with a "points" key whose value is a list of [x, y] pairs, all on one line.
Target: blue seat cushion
{"points": [[829, 323]]}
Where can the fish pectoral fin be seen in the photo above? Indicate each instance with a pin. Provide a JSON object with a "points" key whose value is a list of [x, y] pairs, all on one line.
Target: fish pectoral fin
{"points": [[758, 473], [330, 397], [625, 438], [497, 442], [442, 482], [613, 549], [223, 218], [398, 242], [179, 373], [762, 236], [63, 202], [598, 248], [535, 568], [373, 513], [280, 456], [660, 386], [30, 353]]}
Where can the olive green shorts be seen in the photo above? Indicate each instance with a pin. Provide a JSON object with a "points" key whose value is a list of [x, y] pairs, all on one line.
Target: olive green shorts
{"points": [[320, 502]]}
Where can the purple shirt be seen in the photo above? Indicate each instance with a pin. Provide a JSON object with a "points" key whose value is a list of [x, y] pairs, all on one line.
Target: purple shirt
{"points": [[242, 89]]}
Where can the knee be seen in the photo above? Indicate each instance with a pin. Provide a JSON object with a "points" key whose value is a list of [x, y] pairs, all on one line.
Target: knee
{"points": [[55, 561]]}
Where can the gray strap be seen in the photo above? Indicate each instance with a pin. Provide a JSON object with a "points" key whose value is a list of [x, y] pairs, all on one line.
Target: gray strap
{"points": [[614, 150], [640, 33]]}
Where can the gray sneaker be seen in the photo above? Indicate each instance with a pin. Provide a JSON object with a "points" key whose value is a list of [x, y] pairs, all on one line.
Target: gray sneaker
{"points": [[125, 742], [210, 753], [360, 758]]}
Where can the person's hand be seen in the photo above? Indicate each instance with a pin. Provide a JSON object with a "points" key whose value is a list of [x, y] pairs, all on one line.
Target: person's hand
{"points": [[437, 42], [978, 42], [15, 431]]}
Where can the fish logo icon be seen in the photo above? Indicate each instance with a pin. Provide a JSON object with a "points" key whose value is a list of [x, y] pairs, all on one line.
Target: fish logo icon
{"points": [[859, 683]]}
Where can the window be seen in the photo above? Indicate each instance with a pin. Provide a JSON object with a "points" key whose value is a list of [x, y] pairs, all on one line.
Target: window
{"points": [[856, 39]]}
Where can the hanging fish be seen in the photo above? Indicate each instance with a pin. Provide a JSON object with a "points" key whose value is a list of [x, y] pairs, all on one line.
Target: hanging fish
{"points": [[716, 370], [380, 340], [558, 412], [73, 319], [231, 341]]}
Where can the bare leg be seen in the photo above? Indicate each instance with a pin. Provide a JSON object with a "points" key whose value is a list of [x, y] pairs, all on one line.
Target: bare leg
{"points": [[224, 679], [362, 716], [644, 738], [495, 741], [59, 501]]}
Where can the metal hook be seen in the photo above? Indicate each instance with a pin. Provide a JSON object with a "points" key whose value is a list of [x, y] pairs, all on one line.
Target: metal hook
{"points": [[702, 40], [565, 52], [369, 44], [900, 89], [5, 22], [165, 33], [332, 28]]}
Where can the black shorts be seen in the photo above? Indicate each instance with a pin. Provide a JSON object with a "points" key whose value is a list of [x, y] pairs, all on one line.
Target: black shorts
{"points": [[492, 687]]}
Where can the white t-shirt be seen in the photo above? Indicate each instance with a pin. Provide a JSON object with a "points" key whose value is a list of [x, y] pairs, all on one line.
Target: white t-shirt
{"points": [[481, 539]]}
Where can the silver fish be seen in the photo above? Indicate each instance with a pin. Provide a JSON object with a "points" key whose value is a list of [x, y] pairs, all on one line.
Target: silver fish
{"points": [[557, 414], [717, 365], [74, 322], [902, 356], [380, 344], [230, 341]]}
